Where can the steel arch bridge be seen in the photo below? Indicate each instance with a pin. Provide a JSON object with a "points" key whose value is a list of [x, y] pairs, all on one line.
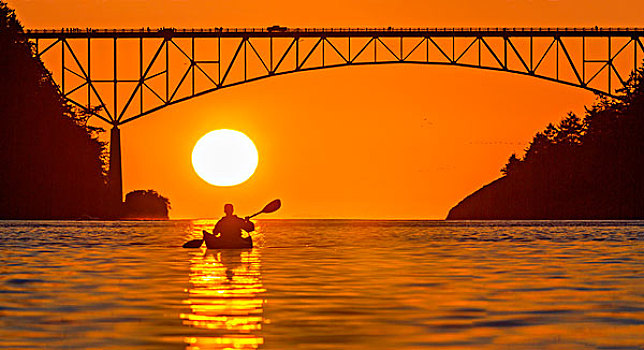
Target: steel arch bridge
{"points": [[130, 73]]}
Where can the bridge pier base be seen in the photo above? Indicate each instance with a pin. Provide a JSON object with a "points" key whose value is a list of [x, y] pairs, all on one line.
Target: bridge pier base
{"points": [[115, 176]]}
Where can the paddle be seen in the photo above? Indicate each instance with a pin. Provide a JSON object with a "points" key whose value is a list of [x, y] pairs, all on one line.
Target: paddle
{"points": [[269, 208]]}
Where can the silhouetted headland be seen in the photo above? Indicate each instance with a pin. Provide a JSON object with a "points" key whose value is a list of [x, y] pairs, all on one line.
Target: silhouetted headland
{"points": [[581, 168], [53, 165]]}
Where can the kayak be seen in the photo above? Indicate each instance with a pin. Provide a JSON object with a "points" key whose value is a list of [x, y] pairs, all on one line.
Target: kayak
{"points": [[213, 242]]}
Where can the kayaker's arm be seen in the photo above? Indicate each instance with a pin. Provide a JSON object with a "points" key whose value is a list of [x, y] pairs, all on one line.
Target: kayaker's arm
{"points": [[248, 225], [217, 230]]}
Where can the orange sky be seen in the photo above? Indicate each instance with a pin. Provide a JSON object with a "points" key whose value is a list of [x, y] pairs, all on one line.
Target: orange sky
{"points": [[394, 141]]}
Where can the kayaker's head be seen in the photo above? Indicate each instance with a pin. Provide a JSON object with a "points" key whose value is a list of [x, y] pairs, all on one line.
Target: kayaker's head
{"points": [[228, 209]]}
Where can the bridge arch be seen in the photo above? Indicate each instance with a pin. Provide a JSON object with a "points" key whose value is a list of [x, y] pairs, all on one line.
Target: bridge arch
{"points": [[201, 93]]}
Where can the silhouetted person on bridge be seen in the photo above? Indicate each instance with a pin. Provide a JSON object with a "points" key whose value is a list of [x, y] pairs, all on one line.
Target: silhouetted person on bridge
{"points": [[228, 231]]}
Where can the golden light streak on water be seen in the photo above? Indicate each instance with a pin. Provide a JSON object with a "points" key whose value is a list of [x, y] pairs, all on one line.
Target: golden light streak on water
{"points": [[225, 297]]}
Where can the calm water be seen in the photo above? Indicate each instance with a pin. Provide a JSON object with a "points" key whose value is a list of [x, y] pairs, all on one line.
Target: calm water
{"points": [[324, 285]]}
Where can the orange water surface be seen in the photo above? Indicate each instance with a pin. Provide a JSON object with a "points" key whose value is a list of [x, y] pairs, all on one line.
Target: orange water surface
{"points": [[323, 284]]}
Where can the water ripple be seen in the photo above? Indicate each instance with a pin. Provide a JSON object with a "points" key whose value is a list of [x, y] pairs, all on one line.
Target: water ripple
{"points": [[329, 284]]}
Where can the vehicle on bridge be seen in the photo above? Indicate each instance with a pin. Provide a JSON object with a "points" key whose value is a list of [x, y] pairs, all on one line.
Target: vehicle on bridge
{"points": [[276, 28], [167, 32]]}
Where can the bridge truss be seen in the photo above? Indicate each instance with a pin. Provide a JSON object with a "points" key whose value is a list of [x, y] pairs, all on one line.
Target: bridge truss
{"points": [[132, 73]]}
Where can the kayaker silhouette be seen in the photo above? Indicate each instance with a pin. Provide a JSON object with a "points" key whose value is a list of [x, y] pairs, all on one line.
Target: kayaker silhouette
{"points": [[228, 231]]}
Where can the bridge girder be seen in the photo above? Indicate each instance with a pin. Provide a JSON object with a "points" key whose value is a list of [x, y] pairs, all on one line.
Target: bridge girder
{"points": [[132, 73]]}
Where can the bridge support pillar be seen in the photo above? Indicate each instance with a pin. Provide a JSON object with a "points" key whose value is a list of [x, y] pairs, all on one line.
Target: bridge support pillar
{"points": [[115, 176]]}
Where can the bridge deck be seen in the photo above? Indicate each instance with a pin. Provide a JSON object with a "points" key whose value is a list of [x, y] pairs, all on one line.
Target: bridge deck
{"points": [[329, 32]]}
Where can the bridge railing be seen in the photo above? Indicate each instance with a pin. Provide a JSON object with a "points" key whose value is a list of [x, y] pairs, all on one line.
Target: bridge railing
{"points": [[336, 30]]}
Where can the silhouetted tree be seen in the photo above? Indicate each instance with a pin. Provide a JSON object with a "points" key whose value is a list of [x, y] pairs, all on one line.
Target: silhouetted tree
{"points": [[512, 164], [52, 162], [570, 130]]}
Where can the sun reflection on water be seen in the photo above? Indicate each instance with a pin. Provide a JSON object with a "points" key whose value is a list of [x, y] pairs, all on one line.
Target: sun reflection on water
{"points": [[226, 299]]}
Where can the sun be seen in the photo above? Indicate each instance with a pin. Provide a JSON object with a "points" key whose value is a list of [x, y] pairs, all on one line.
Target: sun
{"points": [[225, 157]]}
